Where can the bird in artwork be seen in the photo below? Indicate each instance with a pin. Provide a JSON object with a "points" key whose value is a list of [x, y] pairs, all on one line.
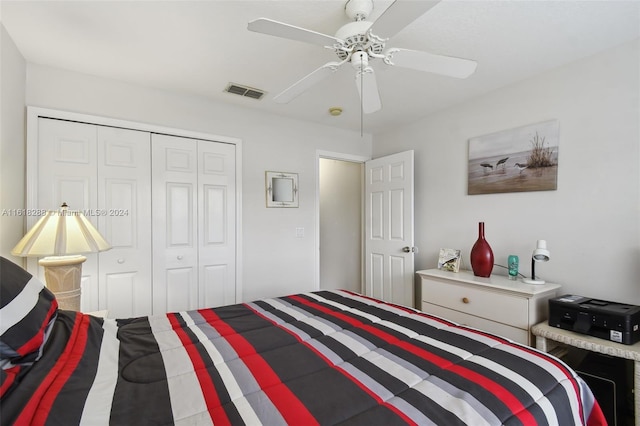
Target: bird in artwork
{"points": [[486, 166], [520, 166], [502, 161]]}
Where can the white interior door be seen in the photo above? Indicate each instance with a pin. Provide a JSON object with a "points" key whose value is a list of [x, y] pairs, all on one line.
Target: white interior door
{"points": [[389, 249]]}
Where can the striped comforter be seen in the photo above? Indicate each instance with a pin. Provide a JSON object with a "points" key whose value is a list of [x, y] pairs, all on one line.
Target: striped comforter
{"points": [[314, 358]]}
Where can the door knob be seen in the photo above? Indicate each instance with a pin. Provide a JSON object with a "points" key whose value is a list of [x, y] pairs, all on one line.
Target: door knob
{"points": [[410, 249]]}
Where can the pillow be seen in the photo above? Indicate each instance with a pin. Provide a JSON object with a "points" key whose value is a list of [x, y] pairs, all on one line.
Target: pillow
{"points": [[27, 311]]}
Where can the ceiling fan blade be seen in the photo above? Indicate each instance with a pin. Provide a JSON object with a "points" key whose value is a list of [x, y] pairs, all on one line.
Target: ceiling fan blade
{"points": [[368, 90], [400, 14], [429, 62], [280, 29], [297, 88]]}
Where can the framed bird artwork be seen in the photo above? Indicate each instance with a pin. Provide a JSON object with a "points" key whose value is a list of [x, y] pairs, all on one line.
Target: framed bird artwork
{"points": [[515, 160]]}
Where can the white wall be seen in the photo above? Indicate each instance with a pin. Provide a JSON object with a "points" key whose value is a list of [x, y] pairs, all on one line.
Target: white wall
{"points": [[12, 149], [591, 222], [275, 262]]}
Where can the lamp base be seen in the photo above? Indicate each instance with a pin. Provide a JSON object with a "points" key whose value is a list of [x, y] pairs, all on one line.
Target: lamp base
{"points": [[532, 281], [63, 275]]}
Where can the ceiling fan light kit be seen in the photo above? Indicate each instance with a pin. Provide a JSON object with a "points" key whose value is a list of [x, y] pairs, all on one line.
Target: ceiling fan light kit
{"points": [[360, 42]]}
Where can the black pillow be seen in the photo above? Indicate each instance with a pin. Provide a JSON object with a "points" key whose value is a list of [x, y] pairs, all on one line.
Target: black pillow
{"points": [[27, 311]]}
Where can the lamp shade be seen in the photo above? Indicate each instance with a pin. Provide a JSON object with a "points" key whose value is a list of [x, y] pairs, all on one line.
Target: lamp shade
{"points": [[541, 254], [60, 233]]}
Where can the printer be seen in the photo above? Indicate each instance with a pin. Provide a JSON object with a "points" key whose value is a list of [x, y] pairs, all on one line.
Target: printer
{"points": [[612, 321]]}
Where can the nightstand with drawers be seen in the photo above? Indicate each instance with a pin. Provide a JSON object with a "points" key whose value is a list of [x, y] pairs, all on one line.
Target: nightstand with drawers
{"points": [[498, 305]]}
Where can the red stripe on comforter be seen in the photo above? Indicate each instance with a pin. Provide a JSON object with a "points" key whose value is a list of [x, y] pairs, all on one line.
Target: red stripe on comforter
{"points": [[498, 390], [596, 416], [8, 377], [37, 339], [37, 409], [289, 406]]}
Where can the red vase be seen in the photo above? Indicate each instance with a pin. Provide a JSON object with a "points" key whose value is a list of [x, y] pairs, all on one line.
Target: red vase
{"points": [[481, 255]]}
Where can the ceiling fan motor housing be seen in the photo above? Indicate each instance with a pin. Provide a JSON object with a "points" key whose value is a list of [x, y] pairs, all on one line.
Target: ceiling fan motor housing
{"points": [[355, 37]]}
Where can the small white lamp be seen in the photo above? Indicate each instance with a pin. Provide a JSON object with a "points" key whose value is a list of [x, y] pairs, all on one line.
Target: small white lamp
{"points": [[62, 236], [540, 254]]}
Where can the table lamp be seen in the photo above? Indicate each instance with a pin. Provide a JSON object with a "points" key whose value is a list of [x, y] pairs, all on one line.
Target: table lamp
{"points": [[540, 254], [62, 236]]}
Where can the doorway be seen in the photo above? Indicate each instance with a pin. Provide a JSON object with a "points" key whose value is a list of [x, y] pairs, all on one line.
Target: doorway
{"points": [[341, 223]]}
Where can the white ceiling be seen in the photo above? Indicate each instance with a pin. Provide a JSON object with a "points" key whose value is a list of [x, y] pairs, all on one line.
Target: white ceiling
{"points": [[198, 47]]}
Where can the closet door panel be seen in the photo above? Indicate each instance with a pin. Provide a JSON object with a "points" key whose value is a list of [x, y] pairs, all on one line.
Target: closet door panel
{"points": [[215, 292], [174, 217], [180, 224], [67, 172], [124, 212], [179, 299], [119, 294], [74, 190], [216, 215], [119, 221], [67, 154]]}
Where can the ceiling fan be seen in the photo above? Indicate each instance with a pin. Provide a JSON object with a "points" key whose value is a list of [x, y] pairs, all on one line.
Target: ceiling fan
{"points": [[360, 42]]}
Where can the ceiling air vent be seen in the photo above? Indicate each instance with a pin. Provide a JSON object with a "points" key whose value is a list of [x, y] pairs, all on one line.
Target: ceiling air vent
{"points": [[248, 92]]}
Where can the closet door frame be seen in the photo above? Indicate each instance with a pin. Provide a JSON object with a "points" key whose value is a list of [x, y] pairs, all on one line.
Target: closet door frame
{"points": [[35, 113]]}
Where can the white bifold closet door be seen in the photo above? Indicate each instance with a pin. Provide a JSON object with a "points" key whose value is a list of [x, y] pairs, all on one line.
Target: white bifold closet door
{"points": [[166, 204], [193, 222], [105, 173]]}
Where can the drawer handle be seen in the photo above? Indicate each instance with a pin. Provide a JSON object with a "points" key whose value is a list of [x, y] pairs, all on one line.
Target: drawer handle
{"points": [[465, 300]]}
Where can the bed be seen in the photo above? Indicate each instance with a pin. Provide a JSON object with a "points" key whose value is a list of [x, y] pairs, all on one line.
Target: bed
{"points": [[325, 357]]}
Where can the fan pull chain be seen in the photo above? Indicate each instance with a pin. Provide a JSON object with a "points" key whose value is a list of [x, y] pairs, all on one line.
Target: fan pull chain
{"points": [[361, 101]]}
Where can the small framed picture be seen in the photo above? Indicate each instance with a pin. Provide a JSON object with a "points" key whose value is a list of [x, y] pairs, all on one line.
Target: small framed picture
{"points": [[281, 189], [449, 259]]}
